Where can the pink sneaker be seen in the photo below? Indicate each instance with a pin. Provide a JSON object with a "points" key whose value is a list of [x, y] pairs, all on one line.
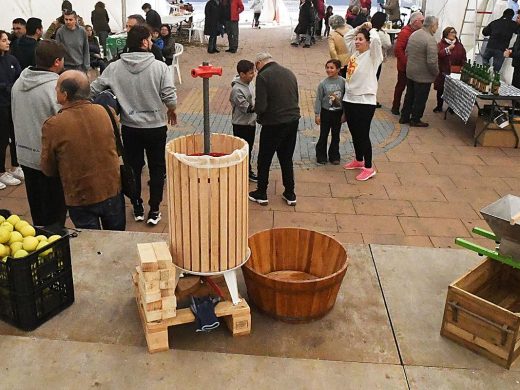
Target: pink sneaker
{"points": [[366, 174], [354, 164]]}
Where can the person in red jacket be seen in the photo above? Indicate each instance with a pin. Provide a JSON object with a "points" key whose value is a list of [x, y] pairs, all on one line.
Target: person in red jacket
{"points": [[452, 55], [230, 13], [416, 22], [366, 4]]}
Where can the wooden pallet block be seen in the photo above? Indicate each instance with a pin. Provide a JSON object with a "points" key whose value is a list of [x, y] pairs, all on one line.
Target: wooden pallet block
{"points": [[237, 319]]}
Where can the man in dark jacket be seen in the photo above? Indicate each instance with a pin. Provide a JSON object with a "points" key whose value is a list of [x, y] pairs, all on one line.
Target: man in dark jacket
{"points": [[278, 112], [500, 32], [305, 22], [230, 14], [212, 24], [24, 48], [514, 54], [153, 19]]}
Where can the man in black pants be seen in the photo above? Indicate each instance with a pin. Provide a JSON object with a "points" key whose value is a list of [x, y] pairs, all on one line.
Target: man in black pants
{"points": [[33, 102], [142, 85], [277, 110]]}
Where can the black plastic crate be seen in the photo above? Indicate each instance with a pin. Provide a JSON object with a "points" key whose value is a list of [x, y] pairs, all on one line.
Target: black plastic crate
{"points": [[35, 288]]}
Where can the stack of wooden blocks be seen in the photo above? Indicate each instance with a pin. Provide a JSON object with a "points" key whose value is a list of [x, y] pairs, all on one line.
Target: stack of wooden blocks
{"points": [[156, 280]]}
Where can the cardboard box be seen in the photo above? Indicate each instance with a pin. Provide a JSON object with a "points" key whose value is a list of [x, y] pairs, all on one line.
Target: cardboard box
{"points": [[495, 136]]}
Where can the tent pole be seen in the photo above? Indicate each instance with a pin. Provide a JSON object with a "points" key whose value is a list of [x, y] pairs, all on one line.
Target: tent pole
{"points": [[123, 14], [424, 6]]}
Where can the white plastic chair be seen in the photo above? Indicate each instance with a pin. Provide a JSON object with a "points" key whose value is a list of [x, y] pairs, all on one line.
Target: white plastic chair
{"points": [[179, 49], [197, 27]]}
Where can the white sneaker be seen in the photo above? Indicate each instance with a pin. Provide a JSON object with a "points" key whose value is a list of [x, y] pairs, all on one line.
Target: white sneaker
{"points": [[2, 186], [17, 172], [9, 180]]}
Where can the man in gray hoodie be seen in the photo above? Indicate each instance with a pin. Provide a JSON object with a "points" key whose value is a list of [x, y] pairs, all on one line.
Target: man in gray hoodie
{"points": [[142, 86], [33, 101], [243, 116]]}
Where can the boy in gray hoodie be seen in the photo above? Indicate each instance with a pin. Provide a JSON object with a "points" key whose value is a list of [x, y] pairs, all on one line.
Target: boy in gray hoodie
{"points": [[243, 116]]}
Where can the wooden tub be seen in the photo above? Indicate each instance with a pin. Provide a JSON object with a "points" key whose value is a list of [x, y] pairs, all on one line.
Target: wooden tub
{"points": [[294, 274]]}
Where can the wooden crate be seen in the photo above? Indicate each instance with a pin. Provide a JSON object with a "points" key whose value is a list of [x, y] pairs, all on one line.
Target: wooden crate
{"points": [[237, 318], [482, 312], [208, 207]]}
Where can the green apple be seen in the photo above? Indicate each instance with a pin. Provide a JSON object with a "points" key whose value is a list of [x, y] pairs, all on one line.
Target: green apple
{"points": [[4, 250], [53, 238], [15, 237], [30, 243], [4, 235], [20, 224], [27, 231], [13, 219], [20, 253], [15, 247], [41, 245], [7, 225], [41, 237], [2, 219]]}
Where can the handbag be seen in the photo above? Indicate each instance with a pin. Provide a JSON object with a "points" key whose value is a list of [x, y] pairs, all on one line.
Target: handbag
{"points": [[128, 183]]}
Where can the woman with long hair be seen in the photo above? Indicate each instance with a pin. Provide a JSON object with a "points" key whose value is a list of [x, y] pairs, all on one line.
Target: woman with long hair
{"points": [[96, 59], [359, 101], [9, 73], [99, 18], [452, 56]]}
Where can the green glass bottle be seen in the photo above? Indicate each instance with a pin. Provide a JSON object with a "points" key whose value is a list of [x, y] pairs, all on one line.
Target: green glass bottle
{"points": [[495, 85]]}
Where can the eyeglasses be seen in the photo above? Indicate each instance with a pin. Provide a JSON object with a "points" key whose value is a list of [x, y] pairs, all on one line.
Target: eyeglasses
{"points": [[453, 32]]}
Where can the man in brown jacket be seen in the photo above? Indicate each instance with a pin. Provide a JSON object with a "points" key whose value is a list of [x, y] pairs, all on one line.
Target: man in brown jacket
{"points": [[422, 68], [78, 144]]}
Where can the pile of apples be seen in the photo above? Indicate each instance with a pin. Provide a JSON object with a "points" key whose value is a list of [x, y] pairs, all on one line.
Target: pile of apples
{"points": [[18, 238]]}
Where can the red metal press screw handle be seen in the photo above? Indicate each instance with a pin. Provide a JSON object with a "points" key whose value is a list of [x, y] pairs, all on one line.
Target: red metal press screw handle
{"points": [[205, 71]]}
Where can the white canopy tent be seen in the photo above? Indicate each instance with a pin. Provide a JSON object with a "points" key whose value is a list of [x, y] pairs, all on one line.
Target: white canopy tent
{"points": [[49, 10]]}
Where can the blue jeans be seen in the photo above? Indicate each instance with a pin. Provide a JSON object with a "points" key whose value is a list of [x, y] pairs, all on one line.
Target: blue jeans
{"points": [[498, 58], [108, 214]]}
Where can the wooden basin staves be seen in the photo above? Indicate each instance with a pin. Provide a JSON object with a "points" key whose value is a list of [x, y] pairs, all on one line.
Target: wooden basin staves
{"points": [[294, 274]]}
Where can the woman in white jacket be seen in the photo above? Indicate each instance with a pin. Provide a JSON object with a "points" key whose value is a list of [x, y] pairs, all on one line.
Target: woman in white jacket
{"points": [[359, 101], [257, 10]]}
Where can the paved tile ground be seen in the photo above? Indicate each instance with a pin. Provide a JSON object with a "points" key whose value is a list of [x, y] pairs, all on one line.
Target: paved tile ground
{"points": [[430, 185]]}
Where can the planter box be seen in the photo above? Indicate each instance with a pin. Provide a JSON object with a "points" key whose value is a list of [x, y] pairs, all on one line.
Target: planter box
{"points": [[482, 312]]}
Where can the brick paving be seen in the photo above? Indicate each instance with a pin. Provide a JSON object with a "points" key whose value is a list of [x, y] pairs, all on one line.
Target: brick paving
{"points": [[430, 185]]}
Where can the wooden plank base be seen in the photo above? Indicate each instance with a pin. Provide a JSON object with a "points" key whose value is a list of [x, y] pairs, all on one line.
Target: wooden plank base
{"points": [[237, 318]]}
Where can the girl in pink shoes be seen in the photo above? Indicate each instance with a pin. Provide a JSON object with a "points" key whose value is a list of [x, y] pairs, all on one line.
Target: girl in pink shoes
{"points": [[359, 101]]}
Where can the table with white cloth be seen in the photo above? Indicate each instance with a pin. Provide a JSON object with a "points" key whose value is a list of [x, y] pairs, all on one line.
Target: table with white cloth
{"points": [[175, 20], [461, 97]]}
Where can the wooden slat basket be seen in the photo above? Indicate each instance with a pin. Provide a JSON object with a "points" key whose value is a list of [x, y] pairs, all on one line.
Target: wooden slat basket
{"points": [[207, 199]]}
